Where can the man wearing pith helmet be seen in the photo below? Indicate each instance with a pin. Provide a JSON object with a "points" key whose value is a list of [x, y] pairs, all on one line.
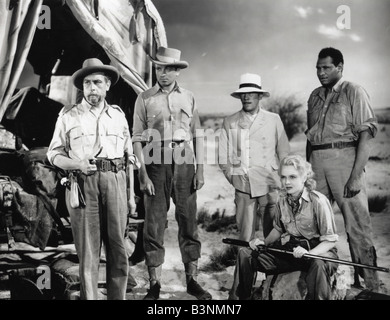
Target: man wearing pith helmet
{"points": [[92, 141], [166, 135], [251, 145]]}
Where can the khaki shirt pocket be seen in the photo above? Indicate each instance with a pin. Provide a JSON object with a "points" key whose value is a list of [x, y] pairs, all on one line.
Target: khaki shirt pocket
{"points": [[186, 116], [114, 142], [306, 225], [76, 140], [154, 118], [339, 120]]}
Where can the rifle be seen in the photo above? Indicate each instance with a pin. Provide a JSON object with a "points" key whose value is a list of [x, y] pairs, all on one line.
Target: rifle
{"points": [[242, 243]]}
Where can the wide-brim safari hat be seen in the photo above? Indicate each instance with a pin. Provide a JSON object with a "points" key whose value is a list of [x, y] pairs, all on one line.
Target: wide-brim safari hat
{"points": [[169, 57], [249, 82], [94, 65]]}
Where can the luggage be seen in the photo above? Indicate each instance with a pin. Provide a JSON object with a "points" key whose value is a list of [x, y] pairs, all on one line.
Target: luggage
{"points": [[28, 202]]}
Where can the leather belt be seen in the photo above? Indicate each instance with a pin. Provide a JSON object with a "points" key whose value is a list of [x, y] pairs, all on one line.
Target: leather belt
{"points": [[334, 145], [114, 165]]}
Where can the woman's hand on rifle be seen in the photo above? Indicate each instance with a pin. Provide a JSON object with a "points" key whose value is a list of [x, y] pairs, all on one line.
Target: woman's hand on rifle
{"points": [[298, 252], [254, 243]]}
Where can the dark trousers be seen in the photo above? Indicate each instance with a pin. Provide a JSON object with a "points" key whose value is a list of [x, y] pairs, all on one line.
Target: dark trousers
{"points": [[249, 262], [176, 181]]}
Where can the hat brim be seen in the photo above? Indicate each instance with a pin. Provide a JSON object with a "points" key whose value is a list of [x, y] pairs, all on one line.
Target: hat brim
{"points": [[109, 71], [237, 93], [178, 64]]}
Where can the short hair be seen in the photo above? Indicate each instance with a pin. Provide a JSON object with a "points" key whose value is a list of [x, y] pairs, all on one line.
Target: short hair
{"points": [[335, 54], [302, 166]]}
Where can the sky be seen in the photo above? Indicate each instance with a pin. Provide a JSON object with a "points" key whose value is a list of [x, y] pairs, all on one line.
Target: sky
{"points": [[280, 41]]}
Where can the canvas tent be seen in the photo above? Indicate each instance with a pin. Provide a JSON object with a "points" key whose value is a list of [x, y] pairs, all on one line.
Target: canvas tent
{"points": [[121, 32]]}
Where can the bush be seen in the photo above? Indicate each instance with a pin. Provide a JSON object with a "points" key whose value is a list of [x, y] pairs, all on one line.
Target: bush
{"points": [[291, 112], [377, 203], [220, 260], [216, 221]]}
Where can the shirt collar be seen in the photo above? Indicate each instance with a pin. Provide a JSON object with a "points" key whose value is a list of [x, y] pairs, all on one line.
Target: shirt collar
{"points": [[252, 117], [156, 88], [335, 88], [87, 106], [305, 195]]}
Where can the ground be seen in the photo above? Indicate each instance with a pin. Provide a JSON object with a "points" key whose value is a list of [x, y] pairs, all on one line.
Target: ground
{"points": [[216, 198]]}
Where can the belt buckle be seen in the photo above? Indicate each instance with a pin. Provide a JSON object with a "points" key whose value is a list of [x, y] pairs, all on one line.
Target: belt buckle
{"points": [[105, 165]]}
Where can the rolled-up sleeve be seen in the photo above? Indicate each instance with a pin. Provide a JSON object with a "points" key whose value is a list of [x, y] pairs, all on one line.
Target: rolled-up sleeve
{"points": [[139, 120], [58, 144], [325, 219], [362, 112], [128, 140]]}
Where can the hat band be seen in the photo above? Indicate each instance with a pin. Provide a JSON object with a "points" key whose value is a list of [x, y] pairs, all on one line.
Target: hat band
{"points": [[166, 59], [252, 85]]}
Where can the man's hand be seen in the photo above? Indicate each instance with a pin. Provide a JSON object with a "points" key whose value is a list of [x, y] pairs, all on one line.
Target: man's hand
{"points": [[198, 180], [298, 252], [147, 186], [131, 206], [87, 166], [255, 242], [352, 187]]}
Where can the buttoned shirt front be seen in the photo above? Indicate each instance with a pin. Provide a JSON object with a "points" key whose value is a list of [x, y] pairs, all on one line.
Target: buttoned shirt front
{"points": [[314, 219], [166, 116], [341, 115], [80, 133]]}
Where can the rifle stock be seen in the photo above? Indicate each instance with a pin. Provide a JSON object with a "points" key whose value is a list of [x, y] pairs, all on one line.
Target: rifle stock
{"points": [[242, 243]]}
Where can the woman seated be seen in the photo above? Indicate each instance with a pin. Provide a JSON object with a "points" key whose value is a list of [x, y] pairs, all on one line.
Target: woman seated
{"points": [[304, 223]]}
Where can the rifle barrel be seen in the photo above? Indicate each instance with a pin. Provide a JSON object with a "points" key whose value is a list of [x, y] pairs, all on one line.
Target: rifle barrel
{"points": [[242, 243]]}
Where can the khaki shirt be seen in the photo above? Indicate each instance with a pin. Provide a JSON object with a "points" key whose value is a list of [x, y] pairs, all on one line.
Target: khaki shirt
{"points": [[315, 218], [166, 116], [79, 133], [341, 116]]}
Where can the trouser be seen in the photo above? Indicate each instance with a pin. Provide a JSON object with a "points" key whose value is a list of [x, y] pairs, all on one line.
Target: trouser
{"points": [[176, 181], [332, 168], [317, 278], [248, 210], [103, 219]]}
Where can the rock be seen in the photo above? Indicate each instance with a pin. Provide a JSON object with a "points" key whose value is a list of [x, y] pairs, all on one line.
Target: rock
{"points": [[292, 286]]}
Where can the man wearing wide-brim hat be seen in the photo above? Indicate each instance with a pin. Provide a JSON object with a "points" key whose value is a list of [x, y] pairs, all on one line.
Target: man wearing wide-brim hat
{"points": [[251, 145], [167, 126], [92, 142]]}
